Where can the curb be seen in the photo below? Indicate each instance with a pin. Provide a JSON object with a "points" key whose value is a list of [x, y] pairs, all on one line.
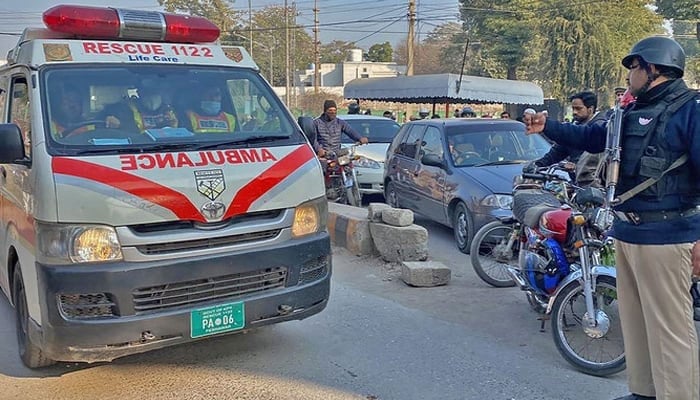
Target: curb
{"points": [[348, 227]]}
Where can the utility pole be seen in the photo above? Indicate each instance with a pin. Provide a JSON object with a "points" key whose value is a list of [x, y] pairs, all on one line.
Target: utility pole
{"points": [[294, 51], [411, 37], [286, 54], [250, 26], [317, 52]]}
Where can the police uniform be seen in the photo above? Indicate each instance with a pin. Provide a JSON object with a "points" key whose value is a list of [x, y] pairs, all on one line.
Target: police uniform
{"points": [[657, 228]]}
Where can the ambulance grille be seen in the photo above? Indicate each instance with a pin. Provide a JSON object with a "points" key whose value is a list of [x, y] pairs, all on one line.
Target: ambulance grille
{"points": [[200, 291], [209, 243], [314, 270], [84, 306]]}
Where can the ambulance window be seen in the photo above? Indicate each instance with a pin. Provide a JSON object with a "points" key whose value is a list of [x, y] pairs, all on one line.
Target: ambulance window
{"points": [[20, 110], [3, 99]]}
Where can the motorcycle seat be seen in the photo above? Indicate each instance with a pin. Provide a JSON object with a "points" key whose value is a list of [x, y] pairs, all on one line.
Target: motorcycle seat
{"points": [[524, 200], [533, 214]]}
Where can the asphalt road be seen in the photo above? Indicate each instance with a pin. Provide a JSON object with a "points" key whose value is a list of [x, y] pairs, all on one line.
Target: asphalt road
{"points": [[377, 339]]}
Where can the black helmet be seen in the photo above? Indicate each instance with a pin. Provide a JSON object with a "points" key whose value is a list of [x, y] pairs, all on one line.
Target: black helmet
{"points": [[353, 108], [658, 50]]}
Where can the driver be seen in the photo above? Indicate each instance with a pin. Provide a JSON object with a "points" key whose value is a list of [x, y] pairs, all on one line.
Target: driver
{"points": [[68, 115]]}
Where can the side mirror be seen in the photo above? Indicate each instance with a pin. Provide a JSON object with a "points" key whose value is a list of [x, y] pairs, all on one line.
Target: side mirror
{"points": [[433, 160], [308, 127], [11, 145]]}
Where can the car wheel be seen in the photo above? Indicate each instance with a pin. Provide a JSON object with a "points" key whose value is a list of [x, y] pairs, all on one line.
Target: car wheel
{"points": [[463, 227], [32, 356], [390, 195]]}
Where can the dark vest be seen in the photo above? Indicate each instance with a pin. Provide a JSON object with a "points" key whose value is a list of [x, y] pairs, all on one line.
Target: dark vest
{"points": [[646, 153]]}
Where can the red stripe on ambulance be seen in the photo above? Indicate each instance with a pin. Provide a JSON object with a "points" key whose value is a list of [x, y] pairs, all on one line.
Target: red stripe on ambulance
{"points": [[267, 180], [174, 201]]}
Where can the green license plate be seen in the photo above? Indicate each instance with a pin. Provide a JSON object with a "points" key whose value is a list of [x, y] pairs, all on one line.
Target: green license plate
{"points": [[217, 319]]}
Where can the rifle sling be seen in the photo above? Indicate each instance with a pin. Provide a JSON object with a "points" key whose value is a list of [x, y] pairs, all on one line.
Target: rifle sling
{"points": [[647, 183]]}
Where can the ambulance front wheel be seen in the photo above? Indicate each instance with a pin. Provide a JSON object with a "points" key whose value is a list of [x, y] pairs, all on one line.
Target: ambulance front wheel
{"points": [[30, 353]]}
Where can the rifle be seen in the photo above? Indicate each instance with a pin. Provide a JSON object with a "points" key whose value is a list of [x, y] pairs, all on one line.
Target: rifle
{"points": [[612, 156]]}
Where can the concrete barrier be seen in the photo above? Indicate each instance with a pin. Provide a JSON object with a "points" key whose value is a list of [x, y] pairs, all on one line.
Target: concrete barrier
{"points": [[348, 227]]}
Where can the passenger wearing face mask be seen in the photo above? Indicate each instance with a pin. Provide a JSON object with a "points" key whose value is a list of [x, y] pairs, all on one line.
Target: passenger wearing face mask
{"points": [[208, 116], [147, 111]]}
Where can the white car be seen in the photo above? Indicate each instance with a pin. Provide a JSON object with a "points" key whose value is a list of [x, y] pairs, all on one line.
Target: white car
{"points": [[370, 166]]}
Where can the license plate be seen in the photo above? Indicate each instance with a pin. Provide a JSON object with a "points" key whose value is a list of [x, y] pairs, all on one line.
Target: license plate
{"points": [[217, 319]]}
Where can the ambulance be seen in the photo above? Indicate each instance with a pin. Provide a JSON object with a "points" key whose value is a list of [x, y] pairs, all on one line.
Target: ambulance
{"points": [[153, 189]]}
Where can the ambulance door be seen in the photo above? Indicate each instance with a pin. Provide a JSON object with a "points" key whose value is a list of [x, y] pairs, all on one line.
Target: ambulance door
{"points": [[15, 189], [4, 279]]}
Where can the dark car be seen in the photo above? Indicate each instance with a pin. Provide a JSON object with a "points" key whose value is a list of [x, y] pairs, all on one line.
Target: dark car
{"points": [[458, 172]]}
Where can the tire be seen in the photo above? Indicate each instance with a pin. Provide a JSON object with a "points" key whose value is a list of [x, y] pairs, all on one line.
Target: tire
{"points": [[487, 265], [353, 195], [390, 196], [32, 356], [605, 290], [463, 227]]}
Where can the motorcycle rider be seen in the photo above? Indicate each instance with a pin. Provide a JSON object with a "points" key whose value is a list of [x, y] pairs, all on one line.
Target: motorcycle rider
{"points": [[329, 128], [657, 231]]}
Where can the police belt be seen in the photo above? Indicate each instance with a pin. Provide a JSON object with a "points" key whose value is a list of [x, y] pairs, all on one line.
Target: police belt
{"points": [[642, 217]]}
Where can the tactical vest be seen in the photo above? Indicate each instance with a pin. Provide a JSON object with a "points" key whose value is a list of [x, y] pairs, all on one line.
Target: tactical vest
{"points": [[646, 152]]}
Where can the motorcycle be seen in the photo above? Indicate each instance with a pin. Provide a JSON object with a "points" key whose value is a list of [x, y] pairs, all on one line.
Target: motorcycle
{"points": [[340, 176], [554, 247]]}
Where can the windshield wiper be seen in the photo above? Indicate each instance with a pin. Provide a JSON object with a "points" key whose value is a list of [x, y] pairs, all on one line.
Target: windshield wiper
{"points": [[248, 140], [501, 162]]}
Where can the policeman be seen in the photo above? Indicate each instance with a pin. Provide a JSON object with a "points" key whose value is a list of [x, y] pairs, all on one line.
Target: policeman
{"points": [[353, 108], [657, 230], [208, 116]]}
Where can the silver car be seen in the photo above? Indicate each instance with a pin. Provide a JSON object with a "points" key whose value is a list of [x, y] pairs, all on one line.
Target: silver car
{"points": [[370, 166]]}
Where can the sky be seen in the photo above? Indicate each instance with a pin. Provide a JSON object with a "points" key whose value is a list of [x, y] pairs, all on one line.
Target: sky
{"points": [[365, 22]]}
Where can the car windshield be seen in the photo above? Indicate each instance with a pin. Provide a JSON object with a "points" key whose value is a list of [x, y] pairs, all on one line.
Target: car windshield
{"points": [[103, 109], [492, 147], [376, 130]]}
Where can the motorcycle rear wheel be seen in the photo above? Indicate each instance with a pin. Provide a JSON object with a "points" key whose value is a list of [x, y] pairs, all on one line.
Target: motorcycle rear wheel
{"points": [[489, 257], [572, 341]]}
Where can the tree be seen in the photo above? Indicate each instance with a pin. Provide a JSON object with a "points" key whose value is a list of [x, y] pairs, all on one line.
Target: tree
{"points": [[679, 9], [220, 12], [336, 51], [269, 33], [380, 52]]}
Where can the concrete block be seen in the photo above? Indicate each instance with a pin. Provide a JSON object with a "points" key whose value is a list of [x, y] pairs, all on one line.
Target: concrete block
{"points": [[425, 273], [374, 211], [348, 227], [397, 216], [400, 243]]}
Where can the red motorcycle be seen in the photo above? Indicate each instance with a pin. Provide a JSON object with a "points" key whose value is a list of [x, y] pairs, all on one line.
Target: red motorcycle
{"points": [[340, 176], [555, 248]]}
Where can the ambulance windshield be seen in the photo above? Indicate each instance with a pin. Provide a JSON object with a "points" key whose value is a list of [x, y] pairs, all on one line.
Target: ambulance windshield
{"points": [[107, 108]]}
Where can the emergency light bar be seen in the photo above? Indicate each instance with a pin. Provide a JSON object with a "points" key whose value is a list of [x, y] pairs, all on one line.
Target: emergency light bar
{"points": [[114, 23]]}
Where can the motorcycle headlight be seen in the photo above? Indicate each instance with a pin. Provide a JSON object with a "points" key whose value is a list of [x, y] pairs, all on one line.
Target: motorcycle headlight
{"points": [[70, 244], [503, 201], [364, 162], [310, 217]]}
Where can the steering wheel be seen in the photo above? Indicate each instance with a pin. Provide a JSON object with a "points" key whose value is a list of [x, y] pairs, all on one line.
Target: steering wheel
{"points": [[468, 154], [70, 131]]}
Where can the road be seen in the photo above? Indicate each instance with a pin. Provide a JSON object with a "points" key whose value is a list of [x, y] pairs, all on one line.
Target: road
{"points": [[378, 339]]}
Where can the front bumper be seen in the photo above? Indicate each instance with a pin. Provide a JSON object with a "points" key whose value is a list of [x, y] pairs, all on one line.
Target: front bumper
{"points": [[371, 181], [134, 328]]}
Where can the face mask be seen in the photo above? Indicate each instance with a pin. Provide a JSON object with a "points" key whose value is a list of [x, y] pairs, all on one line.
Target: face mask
{"points": [[152, 102], [211, 107]]}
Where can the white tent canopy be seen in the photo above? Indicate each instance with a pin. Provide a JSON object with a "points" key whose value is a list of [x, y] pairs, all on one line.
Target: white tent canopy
{"points": [[444, 88]]}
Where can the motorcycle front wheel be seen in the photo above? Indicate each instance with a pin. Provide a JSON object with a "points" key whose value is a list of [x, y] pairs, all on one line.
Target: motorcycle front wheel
{"points": [[490, 254], [599, 350], [353, 194]]}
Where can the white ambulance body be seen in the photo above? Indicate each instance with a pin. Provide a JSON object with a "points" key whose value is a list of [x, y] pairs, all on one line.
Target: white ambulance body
{"points": [[201, 211]]}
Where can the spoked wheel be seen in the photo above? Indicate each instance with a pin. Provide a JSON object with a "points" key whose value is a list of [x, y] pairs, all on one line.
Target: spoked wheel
{"points": [[490, 254], [353, 195], [597, 350]]}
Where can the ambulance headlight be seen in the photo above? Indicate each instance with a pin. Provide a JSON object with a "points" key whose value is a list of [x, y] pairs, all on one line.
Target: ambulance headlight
{"points": [[310, 217], [67, 244]]}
